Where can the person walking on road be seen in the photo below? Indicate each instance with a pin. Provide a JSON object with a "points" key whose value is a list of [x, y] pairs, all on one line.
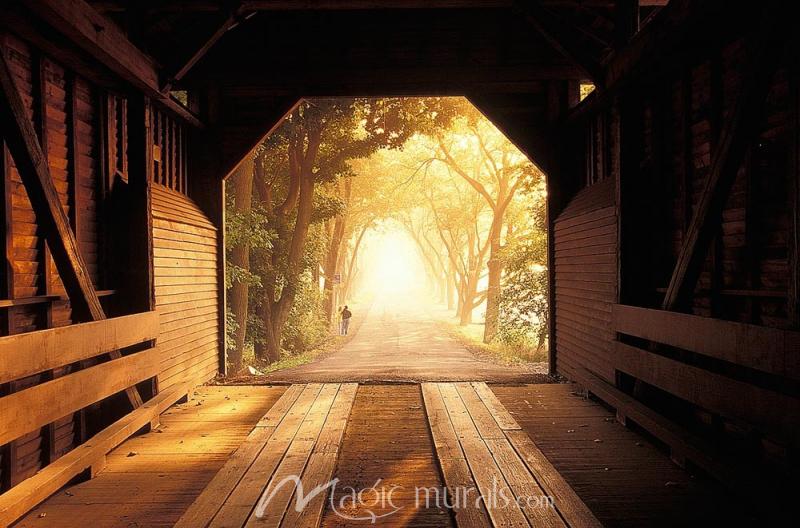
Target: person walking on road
{"points": [[346, 315]]}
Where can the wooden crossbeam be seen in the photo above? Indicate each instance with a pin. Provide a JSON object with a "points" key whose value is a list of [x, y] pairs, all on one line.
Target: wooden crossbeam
{"points": [[763, 50], [655, 45], [35, 174], [105, 42], [555, 32], [532, 138], [231, 21]]}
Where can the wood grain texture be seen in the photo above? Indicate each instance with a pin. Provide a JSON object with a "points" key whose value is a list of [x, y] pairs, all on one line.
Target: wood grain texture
{"points": [[186, 295]]}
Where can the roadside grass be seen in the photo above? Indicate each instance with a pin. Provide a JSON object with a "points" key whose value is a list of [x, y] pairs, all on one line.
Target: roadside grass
{"points": [[331, 343], [328, 345], [471, 336]]}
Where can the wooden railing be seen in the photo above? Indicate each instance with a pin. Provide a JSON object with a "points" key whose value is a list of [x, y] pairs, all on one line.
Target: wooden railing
{"points": [[767, 350], [27, 354], [25, 411]]}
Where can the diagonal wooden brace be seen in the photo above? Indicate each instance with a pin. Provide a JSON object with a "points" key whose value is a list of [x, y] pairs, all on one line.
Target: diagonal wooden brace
{"points": [[764, 49], [32, 166]]}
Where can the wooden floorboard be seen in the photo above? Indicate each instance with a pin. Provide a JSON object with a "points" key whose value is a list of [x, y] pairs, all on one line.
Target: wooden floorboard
{"points": [[387, 441], [231, 443], [151, 479], [620, 475], [298, 439], [515, 491]]}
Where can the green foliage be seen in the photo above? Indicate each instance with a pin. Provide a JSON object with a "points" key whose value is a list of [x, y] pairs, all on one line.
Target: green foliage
{"points": [[523, 299], [307, 327]]}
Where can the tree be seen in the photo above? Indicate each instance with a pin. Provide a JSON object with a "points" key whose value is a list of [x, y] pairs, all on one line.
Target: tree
{"points": [[311, 151], [524, 307], [239, 257], [495, 169]]}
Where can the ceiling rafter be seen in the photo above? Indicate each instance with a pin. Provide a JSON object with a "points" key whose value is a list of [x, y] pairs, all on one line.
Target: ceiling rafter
{"points": [[556, 32]]}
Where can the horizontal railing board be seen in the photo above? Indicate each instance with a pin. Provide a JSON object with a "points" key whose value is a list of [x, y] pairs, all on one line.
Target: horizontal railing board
{"points": [[761, 348], [27, 354], [26, 495], [769, 411], [27, 410]]}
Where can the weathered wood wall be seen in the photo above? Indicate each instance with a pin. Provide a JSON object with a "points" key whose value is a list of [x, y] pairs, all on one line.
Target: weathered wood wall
{"points": [[86, 130], [722, 379], [585, 241], [63, 108], [185, 259]]}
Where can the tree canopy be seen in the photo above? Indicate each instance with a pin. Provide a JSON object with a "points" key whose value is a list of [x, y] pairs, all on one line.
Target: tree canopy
{"points": [[305, 202]]}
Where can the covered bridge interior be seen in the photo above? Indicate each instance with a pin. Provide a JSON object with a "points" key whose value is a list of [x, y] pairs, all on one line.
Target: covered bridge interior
{"points": [[673, 211]]}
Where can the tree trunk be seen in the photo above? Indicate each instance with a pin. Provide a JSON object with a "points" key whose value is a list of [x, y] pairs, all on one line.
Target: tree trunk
{"points": [[351, 266], [495, 266], [450, 289], [242, 187], [332, 257], [281, 308]]}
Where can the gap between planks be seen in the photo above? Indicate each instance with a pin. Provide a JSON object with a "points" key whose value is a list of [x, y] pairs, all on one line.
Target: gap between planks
{"points": [[481, 447], [299, 436]]}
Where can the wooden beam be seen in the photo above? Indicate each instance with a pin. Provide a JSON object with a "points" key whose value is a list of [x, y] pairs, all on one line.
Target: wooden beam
{"points": [[27, 354], [231, 20], [793, 297], [26, 410], [555, 32], [683, 444], [35, 173], [532, 138], [290, 5], [33, 169], [764, 50], [771, 412], [626, 21], [655, 45], [24, 497], [211, 6], [103, 40], [771, 350]]}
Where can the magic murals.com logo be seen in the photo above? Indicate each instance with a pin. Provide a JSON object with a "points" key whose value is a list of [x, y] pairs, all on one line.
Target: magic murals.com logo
{"points": [[372, 503]]}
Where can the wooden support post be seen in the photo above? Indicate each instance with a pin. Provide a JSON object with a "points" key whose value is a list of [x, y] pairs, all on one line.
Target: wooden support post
{"points": [[793, 301], [626, 21], [140, 154], [7, 292], [764, 51], [32, 166], [46, 284]]}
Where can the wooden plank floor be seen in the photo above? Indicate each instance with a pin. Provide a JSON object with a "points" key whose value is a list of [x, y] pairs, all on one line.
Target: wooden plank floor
{"points": [[299, 438], [387, 441], [625, 479], [151, 479], [487, 460], [212, 458]]}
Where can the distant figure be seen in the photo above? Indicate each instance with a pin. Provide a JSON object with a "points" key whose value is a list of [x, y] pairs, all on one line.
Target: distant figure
{"points": [[339, 317], [346, 315]]}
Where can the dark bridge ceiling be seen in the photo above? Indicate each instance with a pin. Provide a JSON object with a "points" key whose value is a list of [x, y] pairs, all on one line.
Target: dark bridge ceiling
{"points": [[248, 62], [375, 47]]}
